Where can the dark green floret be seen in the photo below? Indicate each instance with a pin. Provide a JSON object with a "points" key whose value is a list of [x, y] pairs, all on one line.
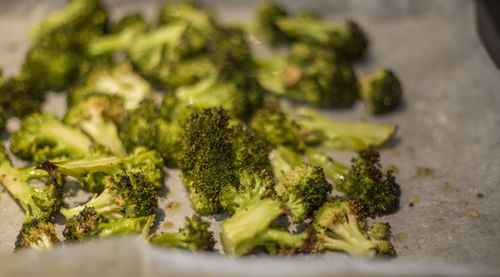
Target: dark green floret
{"points": [[37, 234], [251, 152], [381, 91], [266, 28], [193, 236]]}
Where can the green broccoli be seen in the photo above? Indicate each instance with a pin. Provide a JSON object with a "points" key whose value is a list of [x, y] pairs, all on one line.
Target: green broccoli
{"points": [[266, 28], [339, 227], [381, 92], [254, 210], [127, 194], [43, 136], [337, 135], [95, 115], [38, 203], [88, 224], [127, 30], [21, 96], [251, 152], [194, 236], [128, 20], [284, 160], [365, 180], [36, 234], [206, 160]]}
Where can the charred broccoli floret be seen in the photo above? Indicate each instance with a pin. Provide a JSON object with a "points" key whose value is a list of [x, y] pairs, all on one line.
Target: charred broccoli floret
{"points": [[206, 160], [251, 152], [43, 136], [127, 194], [283, 160], [194, 236], [38, 203], [21, 95], [254, 210], [266, 18], [36, 234], [381, 91], [339, 227], [365, 180], [88, 224]]}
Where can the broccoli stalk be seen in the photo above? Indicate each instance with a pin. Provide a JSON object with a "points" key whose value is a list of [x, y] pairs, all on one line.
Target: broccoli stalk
{"points": [[266, 17], [117, 41], [43, 136], [37, 234], [365, 180], [339, 227], [283, 160], [341, 135], [38, 203], [88, 223], [194, 236]]}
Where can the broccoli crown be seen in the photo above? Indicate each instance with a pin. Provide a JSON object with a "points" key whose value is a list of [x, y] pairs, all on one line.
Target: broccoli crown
{"points": [[43, 136], [340, 227], [129, 20], [266, 16], [89, 224], [367, 182], [350, 41], [307, 184], [194, 236], [21, 95], [277, 127], [37, 234], [251, 152], [39, 203], [381, 92], [206, 160]]}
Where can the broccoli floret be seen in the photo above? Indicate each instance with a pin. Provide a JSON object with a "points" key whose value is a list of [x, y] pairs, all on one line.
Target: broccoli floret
{"points": [[254, 210], [36, 234], [337, 135], [38, 203], [127, 30], [188, 12], [120, 81], [305, 184], [127, 194], [284, 160], [206, 160], [89, 224], [21, 95], [339, 227], [266, 28], [251, 152], [92, 170], [346, 39], [96, 115], [381, 92], [194, 236], [129, 20], [365, 180], [43, 136]]}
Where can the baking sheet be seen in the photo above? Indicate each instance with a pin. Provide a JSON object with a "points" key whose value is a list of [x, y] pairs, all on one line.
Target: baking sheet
{"points": [[446, 149]]}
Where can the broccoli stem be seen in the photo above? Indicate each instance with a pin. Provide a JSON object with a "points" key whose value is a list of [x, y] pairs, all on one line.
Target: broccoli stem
{"points": [[105, 204], [127, 226], [104, 133], [283, 160], [282, 238], [71, 138], [332, 169], [114, 42]]}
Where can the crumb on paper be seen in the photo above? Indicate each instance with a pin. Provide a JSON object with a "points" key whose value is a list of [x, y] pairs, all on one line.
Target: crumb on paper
{"points": [[421, 242], [393, 168], [168, 225], [173, 206], [424, 171], [426, 225], [464, 204], [414, 199], [448, 188], [480, 195], [400, 237], [473, 213], [444, 253], [397, 153]]}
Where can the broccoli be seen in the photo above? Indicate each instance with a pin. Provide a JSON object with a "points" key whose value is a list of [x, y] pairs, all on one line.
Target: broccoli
{"points": [[188, 12], [194, 236], [266, 28], [92, 170], [43, 136], [38, 203], [365, 180], [88, 223], [283, 160], [120, 81], [128, 20], [95, 115], [337, 135], [305, 184], [381, 92], [127, 30], [251, 152], [206, 160], [36, 234], [126, 194], [254, 210], [339, 227], [21, 96], [345, 39]]}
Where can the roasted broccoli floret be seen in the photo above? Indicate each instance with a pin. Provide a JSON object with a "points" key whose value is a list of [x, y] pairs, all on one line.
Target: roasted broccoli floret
{"points": [[266, 28], [254, 209], [43, 136], [127, 194], [129, 20], [38, 203], [251, 152], [306, 185], [88, 224], [194, 236], [345, 39], [36, 234], [21, 96], [283, 160], [337, 135], [96, 116], [206, 160], [92, 170], [365, 180], [381, 91], [339, 227]]}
